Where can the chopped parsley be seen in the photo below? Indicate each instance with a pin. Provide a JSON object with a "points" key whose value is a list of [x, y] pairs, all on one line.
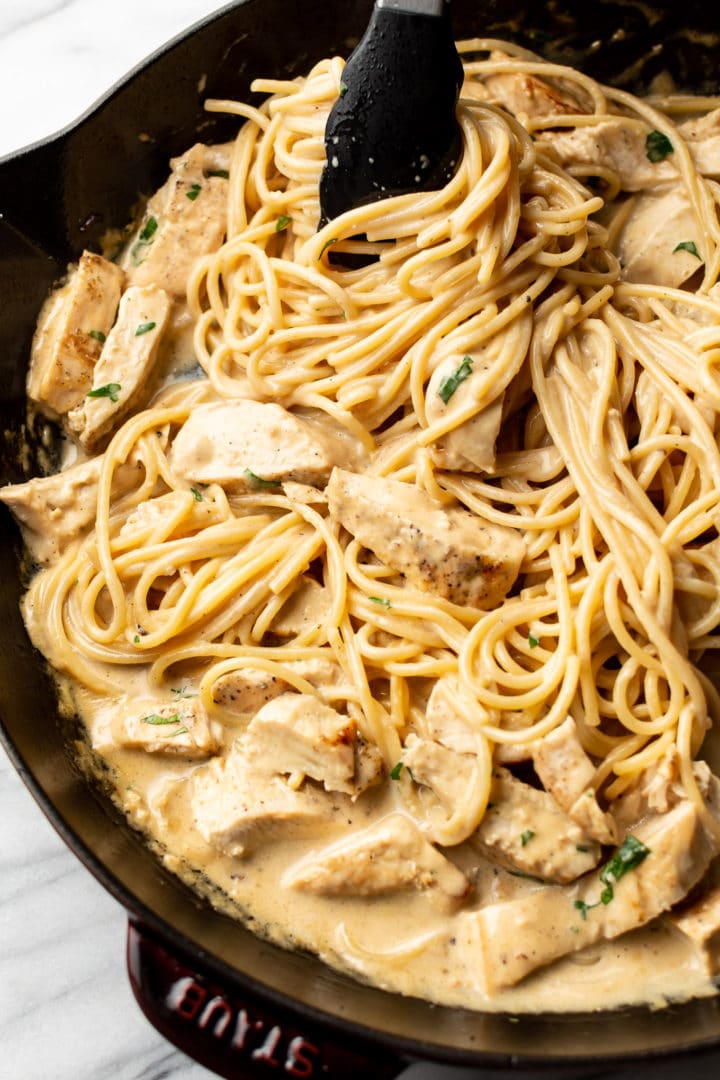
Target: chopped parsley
{"points": [[533, 641], [193, 193], [583, 908], [626, 858], [156, 720], [688, 245], [396, 770], [110, 390], [343, 89], [582, 847], [197, 495], [144, 239], [658, 146], [222, 173], [528, 877], [327, 244], [282, 223], [98, 335], [526, 837], [136, 639], [449, 385], [181, 692], [258, 483], [380, 600], [145, 328], [172, 734]]}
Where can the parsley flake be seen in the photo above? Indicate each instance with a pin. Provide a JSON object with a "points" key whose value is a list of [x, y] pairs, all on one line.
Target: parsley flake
{"points": [[526, 837], [156, 720], [583, 908], [136, 639], [688, 245], [396, 770], [282, 223], [380, 600], [109, 390], [98, 335], [533, 641], [657, 146], [193, 193], [449, 385], [222, 173], [626, 858], [327, 244], [343, 89], [172, 734], [197, 495], [144, 240], [258, 483], [145, 328]]}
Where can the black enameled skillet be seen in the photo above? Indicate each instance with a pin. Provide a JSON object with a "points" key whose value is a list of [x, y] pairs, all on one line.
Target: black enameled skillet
{"points": [[243, 1007]]}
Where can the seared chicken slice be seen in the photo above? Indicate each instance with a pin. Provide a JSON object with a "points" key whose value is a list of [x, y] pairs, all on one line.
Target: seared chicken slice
{"points": [[245, 690], [74, 322], [443, 719], [524, 830], [469, 447], [56, 510], [613, 143], [700, 922], [246, 445], [184, 220], [298, 735], [388, 857], [527, 96], [567, 773], [180, 728], [122, 374], [647, 245], [307, 608], [450, 553], [236, 808], [519, 936]]}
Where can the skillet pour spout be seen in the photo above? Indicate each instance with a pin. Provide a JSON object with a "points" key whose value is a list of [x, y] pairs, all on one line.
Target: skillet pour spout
{"points": [[198, 974]]}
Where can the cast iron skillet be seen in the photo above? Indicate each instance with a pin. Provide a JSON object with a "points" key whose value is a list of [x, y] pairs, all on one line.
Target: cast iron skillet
{"points": [[240, 1005]]}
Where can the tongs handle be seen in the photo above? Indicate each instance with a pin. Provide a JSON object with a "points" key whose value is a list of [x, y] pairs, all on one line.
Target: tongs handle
{"points": [[393, 129]]}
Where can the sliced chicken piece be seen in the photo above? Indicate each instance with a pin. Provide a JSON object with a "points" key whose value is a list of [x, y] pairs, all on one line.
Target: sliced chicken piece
{"points": [[525, 831], [184, 220], [56, 510], [444, 722], [700, 922], [519, 936], [73, 324], [446, 772], [702, 135], [567, 773], [181, 728], [247, 689], [469, 447], [250, 445], [527, 97], [306, 609], [122, 375], [647, 245], [298, 735], [161, 516], [304, 494], [659, 788], [612, 143], [389, 857], [236, 808], [450, 553]]}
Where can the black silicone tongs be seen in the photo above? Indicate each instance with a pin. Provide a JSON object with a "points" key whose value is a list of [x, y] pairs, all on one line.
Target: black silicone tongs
{"points": [[393, 129]]}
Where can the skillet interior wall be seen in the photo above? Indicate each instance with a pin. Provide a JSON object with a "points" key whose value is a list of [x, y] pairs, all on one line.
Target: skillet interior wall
{"points": [[97, 172]]}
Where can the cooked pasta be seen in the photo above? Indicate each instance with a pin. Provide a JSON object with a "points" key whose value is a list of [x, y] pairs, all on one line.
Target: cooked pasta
{"points": [[449, 470]]}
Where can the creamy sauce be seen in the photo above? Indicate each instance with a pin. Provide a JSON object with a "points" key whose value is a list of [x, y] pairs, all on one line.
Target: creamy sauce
{"points": [[421, 935], [400, 943]]}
